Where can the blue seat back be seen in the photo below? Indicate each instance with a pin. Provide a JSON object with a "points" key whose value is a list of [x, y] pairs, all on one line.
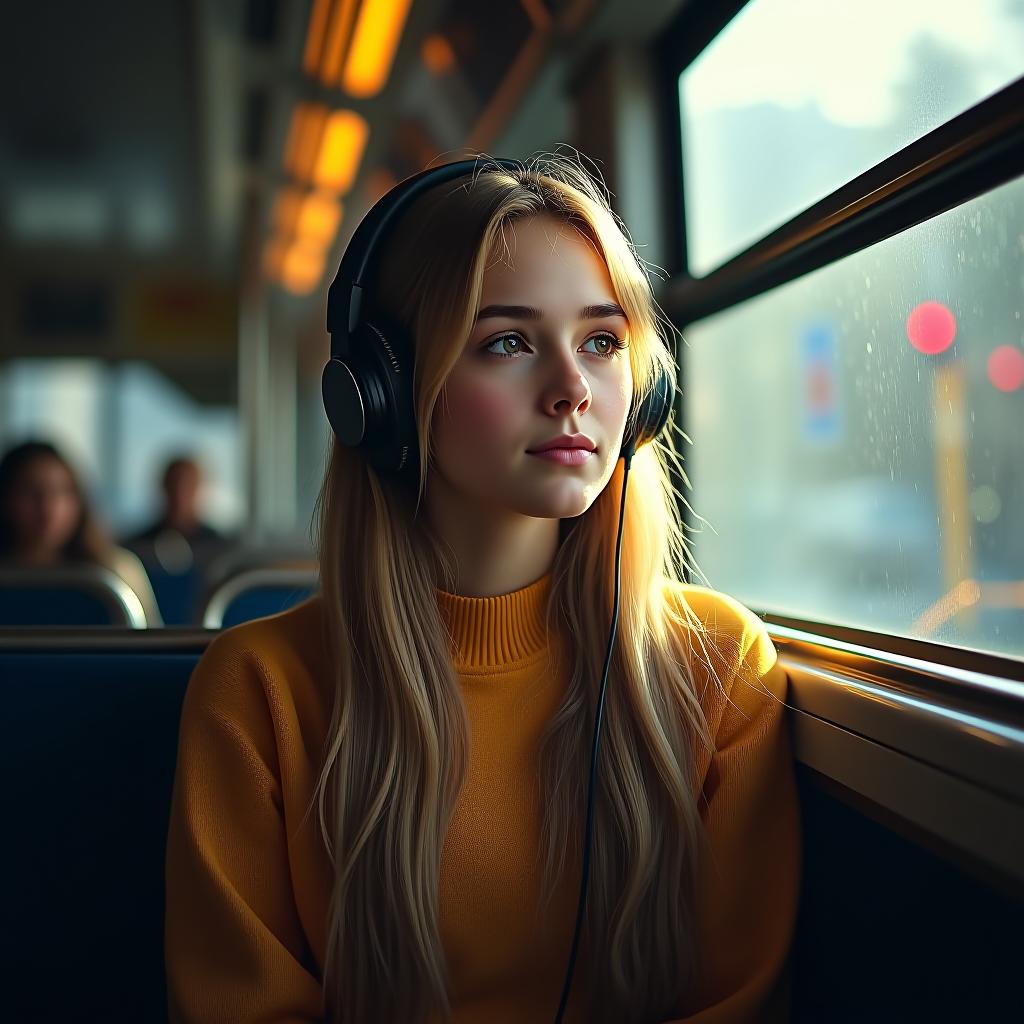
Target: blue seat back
{"points": [[177, 593], [88, 758], [73, 595], [89, 752], [261, 601], [52, 606], [255, 593]]}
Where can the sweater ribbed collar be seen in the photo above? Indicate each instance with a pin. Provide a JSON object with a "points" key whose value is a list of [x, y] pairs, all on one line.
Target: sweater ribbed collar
{"points": [[492, 633]]}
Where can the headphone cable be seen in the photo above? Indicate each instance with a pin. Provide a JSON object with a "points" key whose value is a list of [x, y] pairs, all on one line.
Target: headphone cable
{"points": [[598, 718]]}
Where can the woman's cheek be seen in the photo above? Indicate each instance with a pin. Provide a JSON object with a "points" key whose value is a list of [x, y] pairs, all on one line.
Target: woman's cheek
{"points": [[479, 412]]}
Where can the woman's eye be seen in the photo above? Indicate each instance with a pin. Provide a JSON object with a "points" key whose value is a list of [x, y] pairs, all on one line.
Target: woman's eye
{"points": [[502, 338], [611, 345]]}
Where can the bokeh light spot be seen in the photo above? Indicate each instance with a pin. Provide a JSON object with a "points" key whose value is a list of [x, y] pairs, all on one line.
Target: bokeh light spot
{"points": [[931, 327], [1006, 368]]}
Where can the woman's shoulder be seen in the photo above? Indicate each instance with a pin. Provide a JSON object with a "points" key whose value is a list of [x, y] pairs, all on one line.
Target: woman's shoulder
{"points": [[278, 643], [719, 616], [281, 657], [724, 640]]}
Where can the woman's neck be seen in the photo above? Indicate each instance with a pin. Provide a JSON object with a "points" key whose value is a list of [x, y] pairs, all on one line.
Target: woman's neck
{"points": [[492, 559]]}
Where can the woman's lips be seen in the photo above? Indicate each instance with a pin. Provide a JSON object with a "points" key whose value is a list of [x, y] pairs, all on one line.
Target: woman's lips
{"points": [[564, 456]]}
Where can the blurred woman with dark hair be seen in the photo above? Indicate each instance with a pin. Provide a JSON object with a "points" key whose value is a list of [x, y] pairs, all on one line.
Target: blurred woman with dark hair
{"points": [[46, 521]]}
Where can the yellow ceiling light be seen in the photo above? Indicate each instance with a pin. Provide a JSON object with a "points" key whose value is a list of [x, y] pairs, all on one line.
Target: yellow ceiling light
{"points": [[304, 137], [339, 31], [341, 150], [315, 36], [319, 218], [330, 27], [302, 267], [374, 42]]}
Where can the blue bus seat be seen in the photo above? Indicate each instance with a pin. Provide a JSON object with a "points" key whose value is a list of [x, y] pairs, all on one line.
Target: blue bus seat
{"points": [[255, 593], [177, 593], [90, 747], [81, 595]]}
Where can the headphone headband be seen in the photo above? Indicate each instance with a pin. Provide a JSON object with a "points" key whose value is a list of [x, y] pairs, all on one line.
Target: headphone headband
{"points": [[344, 299], [368, 381]]}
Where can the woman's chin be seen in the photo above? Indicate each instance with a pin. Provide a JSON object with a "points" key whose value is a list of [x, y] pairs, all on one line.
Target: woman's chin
{"points": [[561, 506]]}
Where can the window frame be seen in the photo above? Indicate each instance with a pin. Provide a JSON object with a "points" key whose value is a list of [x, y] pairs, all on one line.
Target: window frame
{"points": [[966, 157]]}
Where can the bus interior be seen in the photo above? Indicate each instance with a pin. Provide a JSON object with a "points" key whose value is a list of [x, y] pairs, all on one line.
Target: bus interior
{"points": [[830, 199]]}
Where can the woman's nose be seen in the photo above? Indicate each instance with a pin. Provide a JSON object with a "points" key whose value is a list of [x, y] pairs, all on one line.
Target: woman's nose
{"points": [[568, 387]]}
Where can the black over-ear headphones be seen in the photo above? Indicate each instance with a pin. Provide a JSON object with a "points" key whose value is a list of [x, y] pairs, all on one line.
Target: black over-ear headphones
{"points": [[367, 387], [367, 384]]}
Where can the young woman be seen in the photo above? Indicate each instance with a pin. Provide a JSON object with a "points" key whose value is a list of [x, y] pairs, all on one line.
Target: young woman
{"points": [[380, 800], [46, 521]]}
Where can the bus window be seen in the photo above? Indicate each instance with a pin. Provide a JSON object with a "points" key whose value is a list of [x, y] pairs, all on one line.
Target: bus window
{"points": [[861, 435]]}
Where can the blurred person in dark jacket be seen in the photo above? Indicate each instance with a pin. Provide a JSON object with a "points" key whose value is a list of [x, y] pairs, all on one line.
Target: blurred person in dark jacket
{"points": [[178, 539]]}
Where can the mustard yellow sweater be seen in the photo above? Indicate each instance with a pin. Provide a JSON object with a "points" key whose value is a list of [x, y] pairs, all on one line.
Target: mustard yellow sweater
{"points": [[247, 887]]}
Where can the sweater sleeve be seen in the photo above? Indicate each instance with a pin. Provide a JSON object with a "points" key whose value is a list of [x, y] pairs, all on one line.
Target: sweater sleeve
{"points": [[749, 898], [235, 948]]}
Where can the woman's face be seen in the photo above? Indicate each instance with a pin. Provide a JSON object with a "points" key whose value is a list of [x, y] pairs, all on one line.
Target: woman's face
{"points": [[43, 506], [526, 377]]}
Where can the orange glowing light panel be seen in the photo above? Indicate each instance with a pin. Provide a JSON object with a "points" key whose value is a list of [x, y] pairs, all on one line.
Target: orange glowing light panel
{"points": [[338, 34], [341, 150], [315, 36], [304, 137], [302, 267], [319, 218], [374, 42]]}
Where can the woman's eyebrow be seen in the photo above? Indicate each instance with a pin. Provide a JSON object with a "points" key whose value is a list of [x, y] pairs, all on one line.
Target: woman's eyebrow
{"points": [[595, 312]]}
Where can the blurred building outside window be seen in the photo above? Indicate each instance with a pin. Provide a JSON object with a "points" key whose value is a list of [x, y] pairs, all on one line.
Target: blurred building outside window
{"points": [[794, 98]]}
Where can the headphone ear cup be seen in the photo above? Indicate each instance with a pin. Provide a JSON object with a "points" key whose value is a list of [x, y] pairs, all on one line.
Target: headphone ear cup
{"points": [[383, 376], [647, 420], [344, 402]]}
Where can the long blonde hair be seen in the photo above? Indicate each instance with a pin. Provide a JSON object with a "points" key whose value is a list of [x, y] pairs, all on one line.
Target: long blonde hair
{"points": [[397, 748]]}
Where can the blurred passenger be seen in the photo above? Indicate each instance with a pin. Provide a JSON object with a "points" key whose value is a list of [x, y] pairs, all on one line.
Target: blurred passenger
{"points": [[46, 521], [179, 539]]}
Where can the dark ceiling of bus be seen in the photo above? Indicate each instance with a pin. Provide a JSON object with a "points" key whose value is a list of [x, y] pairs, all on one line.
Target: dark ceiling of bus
{"points": [[101, 114], [142, 144], [135, 130]]}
